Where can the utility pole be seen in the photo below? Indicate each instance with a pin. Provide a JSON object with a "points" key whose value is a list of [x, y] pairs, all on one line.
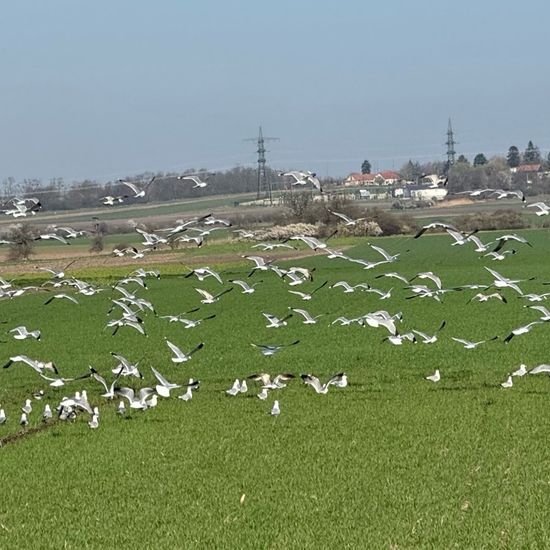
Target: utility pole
{"points": [[450, 143], [264, 184]]}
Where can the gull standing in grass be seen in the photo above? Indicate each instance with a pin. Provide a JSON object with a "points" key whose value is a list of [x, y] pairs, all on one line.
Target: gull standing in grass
{"points": [[522, 371], [435, 377], [235, 388], [509, 382], [2, 416], [276, 409]]}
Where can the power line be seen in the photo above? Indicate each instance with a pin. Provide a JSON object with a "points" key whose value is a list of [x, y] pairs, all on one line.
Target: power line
{"points": [[264, 183]]}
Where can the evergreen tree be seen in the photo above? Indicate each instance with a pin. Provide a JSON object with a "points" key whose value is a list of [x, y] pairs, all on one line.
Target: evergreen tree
{"points": [[480, 159], [531, 154], [513, 158], [366, 167], [463, 159]]}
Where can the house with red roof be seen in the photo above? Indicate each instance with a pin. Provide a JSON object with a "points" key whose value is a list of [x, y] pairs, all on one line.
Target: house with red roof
{"points": [[385, 177]]}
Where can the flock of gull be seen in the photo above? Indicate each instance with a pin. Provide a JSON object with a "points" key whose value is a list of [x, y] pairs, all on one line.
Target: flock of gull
{"points": [[128, 309]]}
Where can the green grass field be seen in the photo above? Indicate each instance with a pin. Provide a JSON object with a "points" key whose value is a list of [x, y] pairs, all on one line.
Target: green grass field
{"points": [[391, 461]]}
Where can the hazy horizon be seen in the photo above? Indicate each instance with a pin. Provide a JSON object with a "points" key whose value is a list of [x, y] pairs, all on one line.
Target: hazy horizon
{"points": [[107, 90]]}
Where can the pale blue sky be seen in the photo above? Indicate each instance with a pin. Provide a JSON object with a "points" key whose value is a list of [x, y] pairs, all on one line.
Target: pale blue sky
{"points": [[109, 88]]}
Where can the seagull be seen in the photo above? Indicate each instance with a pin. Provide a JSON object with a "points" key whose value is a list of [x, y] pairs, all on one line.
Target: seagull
{"points": [[38, 366], [275, 410], [191, 387], [57, 274], [496, 256], [435, 377], [179, 356], [270, 349], [339, 380], [313, 243], [503, 282], [94, 422], [472, 345], [304, 295], [428, 275], [209, 298], [110, 200], [247, 289], [398, 339], [429, 339], [540, 369], [235, 388], [394, 275], [348, 288], [272, 246], [139, 401], [535, 297], [245, 234], [543, 310], [346, 219], [480, 247], [189, 323], [262, 395], [50, 236], [509, 383], [47, 414], [543, 208], [435, 225], [61, 296], [27, 407], [276, 384], [109, 390], [21, 333], [138, 191], [23, 420], [195, 179], [261, 263], [480, 297], [125, 368], [164, 387], [121, 409], [384, 295], [2, 416], [387, 256], [203, 272], [503, 239], [308, 319], [521, 330], [522, 371], [275, 322], [302, 178]]}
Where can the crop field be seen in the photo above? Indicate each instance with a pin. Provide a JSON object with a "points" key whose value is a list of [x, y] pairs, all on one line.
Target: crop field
{"points": [[391, 461]]}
